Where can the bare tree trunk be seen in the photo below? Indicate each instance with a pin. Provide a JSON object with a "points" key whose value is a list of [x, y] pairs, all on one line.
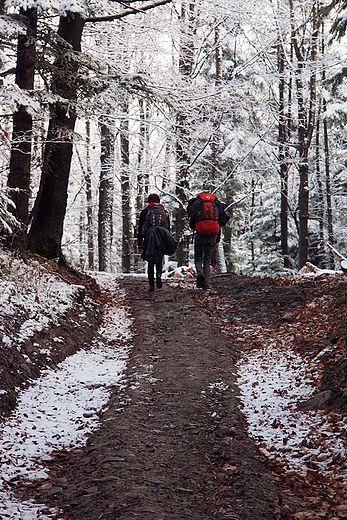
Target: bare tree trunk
{"points": [[182, 183], [140, 157], [47, 227], [306, 124], [282, 138], [251, 224], [20, 162], [216, 121], [88, 179], [320, 198], [186, 61], [327, 171], [328, 191], [140, 194], [125, 188], [105, 216]]}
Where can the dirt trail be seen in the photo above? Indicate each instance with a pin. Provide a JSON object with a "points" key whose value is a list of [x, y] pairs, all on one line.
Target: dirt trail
{"points": [[172, 444]]}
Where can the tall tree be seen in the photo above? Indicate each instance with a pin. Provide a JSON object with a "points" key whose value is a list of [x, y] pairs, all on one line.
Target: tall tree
{"points": [[20, 161], [306, 124], [105, 226], [88, 180], [186, 63], [47, 226], [282, 139], [125, 189]]}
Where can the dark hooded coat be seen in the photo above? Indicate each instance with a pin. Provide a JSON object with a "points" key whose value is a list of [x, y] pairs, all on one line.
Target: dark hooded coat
{"points": [[157, 243]]}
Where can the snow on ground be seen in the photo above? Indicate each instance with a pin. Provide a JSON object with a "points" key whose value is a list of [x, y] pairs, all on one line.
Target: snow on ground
{"points": [[32, 293], [61, 408], [273, 381]]}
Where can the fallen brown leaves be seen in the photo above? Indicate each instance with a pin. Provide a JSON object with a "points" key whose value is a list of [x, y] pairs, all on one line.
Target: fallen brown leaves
{"points": [[310, 315]]}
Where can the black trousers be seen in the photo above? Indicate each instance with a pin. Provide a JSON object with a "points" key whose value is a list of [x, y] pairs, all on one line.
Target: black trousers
{"points": [[158, 268]]}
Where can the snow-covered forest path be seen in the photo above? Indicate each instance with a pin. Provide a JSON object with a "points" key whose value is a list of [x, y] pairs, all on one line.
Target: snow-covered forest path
{"points": [[172, 443]]}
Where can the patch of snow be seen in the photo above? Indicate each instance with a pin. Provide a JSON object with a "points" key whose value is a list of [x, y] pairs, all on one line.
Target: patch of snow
{"points": [[273, 381], [61, 409], [31, 292]]}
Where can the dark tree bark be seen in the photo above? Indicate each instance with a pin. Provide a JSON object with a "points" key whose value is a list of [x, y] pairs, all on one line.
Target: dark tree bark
{"points": [[320, 197], [306, 123], [20, 161], [50, 206], [88, 179], [105, 227], [125, 188], [182, 184], [327, 171], [282, 138], [328, 191], [47, 227], [140, 157], [186, 62]]}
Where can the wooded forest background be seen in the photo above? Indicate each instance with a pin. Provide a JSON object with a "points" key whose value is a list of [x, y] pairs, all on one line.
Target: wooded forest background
{"points": [[105, 102]]}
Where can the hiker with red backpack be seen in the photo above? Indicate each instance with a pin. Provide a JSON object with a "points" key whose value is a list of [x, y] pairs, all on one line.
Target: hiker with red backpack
{"points": [[154, 238], [207, 216]]}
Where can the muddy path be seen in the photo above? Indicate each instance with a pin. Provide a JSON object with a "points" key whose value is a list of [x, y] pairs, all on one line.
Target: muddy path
{"points": [[172, 443]]}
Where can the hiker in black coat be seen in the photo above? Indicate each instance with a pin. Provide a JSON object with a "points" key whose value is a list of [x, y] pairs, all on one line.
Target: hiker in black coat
{"points": [[151, 237]]}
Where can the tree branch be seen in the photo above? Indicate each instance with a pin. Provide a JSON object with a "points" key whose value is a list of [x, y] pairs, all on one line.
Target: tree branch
{"points": [[8, 72], [132, 10]]}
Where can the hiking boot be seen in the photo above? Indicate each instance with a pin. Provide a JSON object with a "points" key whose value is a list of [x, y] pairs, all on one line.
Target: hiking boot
{"points": [[200, 281], [151, 288], [159, 282]]}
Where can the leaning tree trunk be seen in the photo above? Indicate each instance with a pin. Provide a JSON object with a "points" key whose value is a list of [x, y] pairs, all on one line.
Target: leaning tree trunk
{"points": [[47, 226], [105, 227], [20, 161]]}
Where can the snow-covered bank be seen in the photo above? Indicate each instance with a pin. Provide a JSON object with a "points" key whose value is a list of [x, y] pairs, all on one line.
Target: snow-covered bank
{"points": [[61, 408], [30, 293]]}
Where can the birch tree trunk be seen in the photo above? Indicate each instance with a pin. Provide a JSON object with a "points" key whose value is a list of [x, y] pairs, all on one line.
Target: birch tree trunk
{"points": [[328, 191], [327, 172]]}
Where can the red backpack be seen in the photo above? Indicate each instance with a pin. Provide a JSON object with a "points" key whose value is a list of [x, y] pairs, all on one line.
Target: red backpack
{"points": [[207, 217]]}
